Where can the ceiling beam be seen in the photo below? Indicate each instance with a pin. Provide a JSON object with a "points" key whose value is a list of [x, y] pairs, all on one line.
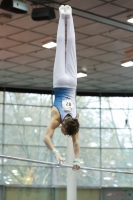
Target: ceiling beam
{"points": [[103, 20], [87, 15], [100, 19]]}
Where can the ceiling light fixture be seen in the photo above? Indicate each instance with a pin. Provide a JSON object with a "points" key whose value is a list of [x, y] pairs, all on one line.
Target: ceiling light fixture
{"points": [[81, 74], [46, 13], [128, 63], [130, 19], [49, 45], [15, 6]]}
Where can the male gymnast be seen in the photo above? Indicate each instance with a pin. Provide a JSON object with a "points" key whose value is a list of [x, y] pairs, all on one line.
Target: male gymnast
{"points": [[64, 84]]}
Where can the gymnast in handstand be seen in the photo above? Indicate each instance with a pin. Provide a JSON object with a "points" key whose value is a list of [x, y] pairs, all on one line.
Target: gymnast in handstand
{"points": [[65, 83]]}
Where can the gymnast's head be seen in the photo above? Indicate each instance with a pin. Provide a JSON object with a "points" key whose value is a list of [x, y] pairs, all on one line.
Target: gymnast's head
{"points": [[70, 126]]}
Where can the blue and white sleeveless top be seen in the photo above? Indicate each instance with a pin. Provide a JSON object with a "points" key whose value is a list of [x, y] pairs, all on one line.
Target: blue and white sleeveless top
{"points": [[65, 102]]}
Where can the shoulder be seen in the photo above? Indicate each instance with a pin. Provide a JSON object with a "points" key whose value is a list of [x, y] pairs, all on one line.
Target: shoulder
{"points": [[55, 114], [54, 123], [55, 111], [55, 118]]}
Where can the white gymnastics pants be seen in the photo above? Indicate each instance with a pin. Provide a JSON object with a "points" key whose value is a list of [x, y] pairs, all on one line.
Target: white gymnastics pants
{"points": [[65, 66]]}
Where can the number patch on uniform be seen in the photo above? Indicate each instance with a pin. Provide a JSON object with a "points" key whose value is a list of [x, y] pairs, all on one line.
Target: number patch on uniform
{"points": [[67, 105]]}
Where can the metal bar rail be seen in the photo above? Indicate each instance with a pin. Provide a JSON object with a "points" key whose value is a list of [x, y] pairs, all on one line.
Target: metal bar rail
{"points": [[64, 165]]}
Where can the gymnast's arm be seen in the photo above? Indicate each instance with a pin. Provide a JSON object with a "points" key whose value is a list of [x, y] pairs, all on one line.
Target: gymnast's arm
{"points": [[54, 123], [76, 145], [75, 139], [76, 162]]}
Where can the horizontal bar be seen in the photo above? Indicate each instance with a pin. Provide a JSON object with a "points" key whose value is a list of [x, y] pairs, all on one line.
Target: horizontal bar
{"points": [[63, 165]]}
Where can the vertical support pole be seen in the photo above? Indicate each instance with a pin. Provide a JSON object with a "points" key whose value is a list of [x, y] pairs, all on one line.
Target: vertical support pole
{"points": [[101, 174], [3, 141], [71, 174]]}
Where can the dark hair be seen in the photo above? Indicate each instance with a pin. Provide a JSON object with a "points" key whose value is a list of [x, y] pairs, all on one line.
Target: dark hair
{"points": [[71, 126]]}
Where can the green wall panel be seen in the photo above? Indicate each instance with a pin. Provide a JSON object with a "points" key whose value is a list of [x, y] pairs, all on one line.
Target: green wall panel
{"points": [[60, 194], [88, 194], [14, 193], [28, 194]]}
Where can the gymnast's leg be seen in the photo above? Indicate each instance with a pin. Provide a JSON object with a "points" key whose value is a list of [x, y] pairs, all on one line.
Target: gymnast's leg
{"points": [[71, 60], [59, 65]]}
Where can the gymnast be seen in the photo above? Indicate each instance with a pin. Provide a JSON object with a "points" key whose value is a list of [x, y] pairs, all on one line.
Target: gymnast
{"points": [[64, 82]]}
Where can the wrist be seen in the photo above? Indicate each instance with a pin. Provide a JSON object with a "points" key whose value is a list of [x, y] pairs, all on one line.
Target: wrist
{"points": [[76, 160], [55, 151]]}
